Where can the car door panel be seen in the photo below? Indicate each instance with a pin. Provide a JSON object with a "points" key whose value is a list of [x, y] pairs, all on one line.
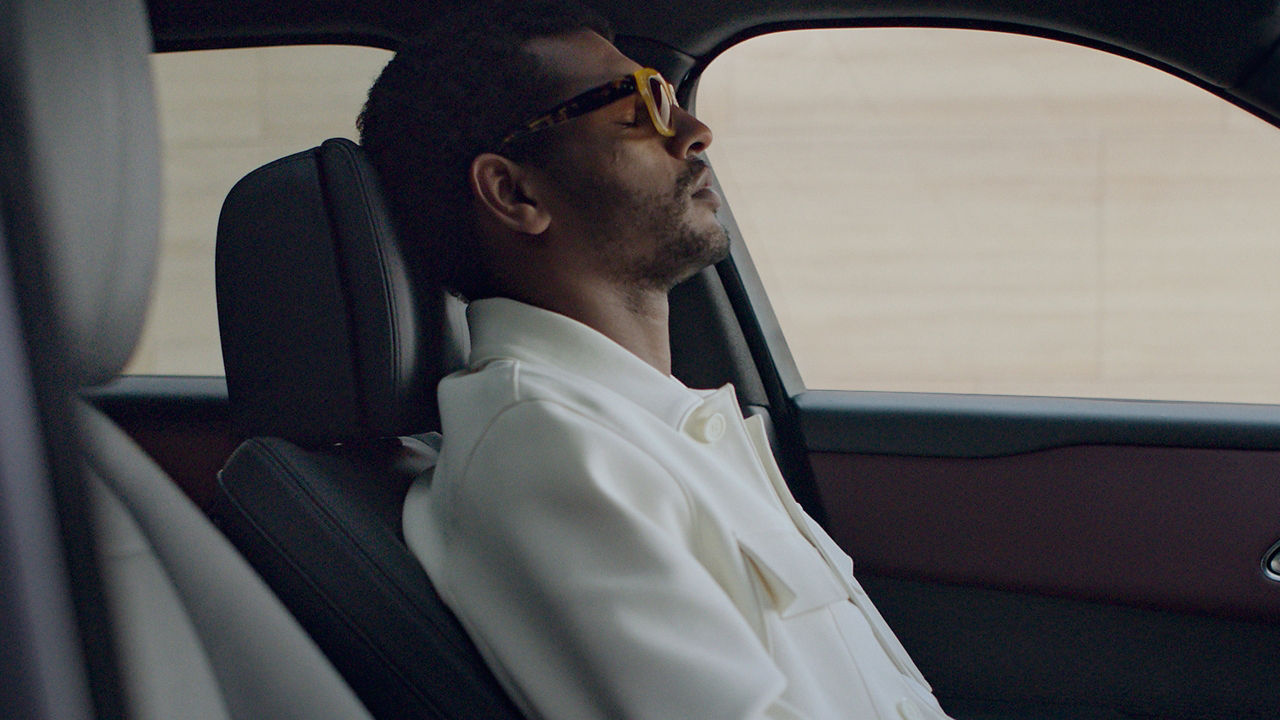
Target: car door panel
{"points": [[1089, 556], [999, 654], [1171, 528]]}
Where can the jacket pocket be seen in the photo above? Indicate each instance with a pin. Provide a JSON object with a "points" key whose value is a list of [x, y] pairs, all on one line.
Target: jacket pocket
{"points": [[793, 573]]}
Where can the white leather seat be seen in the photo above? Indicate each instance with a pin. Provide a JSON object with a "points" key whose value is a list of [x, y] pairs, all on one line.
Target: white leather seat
{"points": [[197, 633]]}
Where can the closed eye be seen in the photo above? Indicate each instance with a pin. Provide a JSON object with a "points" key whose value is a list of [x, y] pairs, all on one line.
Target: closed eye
{"points": [[636, 116]]}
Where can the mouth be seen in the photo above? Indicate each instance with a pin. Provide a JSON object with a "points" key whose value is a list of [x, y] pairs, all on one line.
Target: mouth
{"points": [[703, 191]]}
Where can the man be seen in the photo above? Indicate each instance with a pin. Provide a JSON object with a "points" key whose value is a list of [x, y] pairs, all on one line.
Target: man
{"points": [[617, 545]]}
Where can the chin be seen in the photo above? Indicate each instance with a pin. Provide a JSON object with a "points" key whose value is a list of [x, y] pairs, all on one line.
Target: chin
{"points": [[718, 246], [715, 249]]}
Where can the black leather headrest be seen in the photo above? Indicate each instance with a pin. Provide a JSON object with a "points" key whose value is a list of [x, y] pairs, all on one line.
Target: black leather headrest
{"points": [[326, 335]]}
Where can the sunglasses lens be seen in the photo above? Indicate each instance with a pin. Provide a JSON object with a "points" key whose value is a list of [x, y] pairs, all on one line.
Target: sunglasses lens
{"points": [[662, 100]]}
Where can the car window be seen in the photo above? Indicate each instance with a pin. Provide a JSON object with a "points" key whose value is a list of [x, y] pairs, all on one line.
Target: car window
{"points": [[976, 212], [222, 114]]}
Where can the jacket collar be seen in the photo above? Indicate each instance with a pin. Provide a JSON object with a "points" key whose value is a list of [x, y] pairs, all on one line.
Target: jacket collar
{"points": [[505, 328]]}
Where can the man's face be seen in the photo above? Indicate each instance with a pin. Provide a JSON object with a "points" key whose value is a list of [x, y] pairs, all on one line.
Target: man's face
{"points": [[638, 202]]}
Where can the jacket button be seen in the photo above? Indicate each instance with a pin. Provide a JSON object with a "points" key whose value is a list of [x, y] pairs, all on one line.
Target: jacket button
{"points": [[706, 428], [909, 710]]}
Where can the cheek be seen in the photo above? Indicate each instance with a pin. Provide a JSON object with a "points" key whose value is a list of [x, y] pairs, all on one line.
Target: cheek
{"points": [[626, 172], [645, 174]]}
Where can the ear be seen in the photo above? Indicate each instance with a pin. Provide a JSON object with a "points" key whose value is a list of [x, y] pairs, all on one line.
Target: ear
{"points": [[508, 194]]}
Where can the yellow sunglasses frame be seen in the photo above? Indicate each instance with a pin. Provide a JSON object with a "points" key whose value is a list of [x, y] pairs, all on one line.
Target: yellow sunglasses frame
{"points": [[601, 95]]}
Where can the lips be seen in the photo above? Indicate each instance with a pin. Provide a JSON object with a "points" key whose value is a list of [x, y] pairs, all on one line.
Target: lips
{"points": [[702, 180], [710, 196], [702, 189], [702, 186]]}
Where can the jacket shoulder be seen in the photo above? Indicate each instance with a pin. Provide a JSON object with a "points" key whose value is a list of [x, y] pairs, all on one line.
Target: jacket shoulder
{"points": [[472, 399]]}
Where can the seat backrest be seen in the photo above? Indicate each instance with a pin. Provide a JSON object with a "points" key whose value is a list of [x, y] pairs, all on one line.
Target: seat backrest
{"points": [[196, 633], [332, 354]]}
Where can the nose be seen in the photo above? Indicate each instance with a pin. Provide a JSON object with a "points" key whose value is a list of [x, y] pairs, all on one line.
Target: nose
{"points": [[692, 137]]}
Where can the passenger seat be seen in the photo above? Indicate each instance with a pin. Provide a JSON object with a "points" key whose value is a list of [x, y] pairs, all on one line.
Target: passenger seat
{"points": [[197, 635]]}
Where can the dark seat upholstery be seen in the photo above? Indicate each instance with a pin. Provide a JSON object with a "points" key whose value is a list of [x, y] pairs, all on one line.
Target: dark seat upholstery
{"points": [[332, 355]]}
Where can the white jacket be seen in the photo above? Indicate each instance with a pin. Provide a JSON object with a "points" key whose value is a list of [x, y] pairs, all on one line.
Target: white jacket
{"points": [[620, 546]]}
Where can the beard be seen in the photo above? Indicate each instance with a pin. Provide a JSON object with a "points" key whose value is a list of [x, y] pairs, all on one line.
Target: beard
{"points": [[649, 241]]}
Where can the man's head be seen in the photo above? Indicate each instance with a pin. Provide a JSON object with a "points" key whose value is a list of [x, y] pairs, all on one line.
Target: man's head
{"points": [[609, 191]]}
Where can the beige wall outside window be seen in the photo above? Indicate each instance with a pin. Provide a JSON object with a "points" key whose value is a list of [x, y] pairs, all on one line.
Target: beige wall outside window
{"points": [[960, 211]]}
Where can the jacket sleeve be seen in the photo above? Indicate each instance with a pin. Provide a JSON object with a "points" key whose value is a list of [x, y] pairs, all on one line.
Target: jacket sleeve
{"points": [[569, 559]]}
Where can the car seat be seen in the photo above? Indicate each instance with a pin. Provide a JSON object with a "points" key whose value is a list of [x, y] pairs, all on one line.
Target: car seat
{"points": [[189, 630], [332, 354]]}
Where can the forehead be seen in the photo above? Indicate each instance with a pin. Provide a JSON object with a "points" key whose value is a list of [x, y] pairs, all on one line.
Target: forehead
{"points": [[581, 60]]}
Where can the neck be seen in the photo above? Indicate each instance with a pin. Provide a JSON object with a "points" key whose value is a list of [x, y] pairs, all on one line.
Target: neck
{"points": [[563, 276], [636, 320]]}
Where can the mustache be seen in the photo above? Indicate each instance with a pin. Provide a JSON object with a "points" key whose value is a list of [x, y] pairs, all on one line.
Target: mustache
{"points": [[692, 171]]}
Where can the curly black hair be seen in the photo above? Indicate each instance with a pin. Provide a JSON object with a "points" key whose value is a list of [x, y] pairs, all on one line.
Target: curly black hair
{"points": [[447, 96]]}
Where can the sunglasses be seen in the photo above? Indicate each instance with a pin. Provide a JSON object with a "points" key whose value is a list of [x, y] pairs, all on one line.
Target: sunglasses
{"points": [[659, 97]]}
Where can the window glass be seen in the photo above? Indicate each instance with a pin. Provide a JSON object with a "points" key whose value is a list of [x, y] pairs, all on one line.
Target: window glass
{"points": [[222, 114], [962, 211]]}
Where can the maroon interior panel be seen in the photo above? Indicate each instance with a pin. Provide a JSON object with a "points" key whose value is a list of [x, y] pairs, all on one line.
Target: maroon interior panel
{"points": [[192, 456], [1180, 529]]}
